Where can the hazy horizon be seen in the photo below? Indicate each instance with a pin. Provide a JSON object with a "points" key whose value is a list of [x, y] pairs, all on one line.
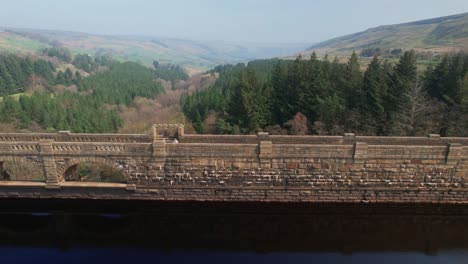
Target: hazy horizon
{"points": [[243, 21]]}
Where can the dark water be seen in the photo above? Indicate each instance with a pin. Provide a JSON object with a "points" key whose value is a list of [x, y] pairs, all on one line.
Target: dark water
{"points": [[126, 232], [131, 255]]}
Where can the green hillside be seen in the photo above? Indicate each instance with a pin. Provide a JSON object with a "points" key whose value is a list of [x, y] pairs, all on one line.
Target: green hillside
{"points": [[190, 54], [437, 35], [19, 44]]}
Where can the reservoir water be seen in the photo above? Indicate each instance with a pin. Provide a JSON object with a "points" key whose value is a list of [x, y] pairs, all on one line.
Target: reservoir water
{"points": [[125, 232], [131, 255]]}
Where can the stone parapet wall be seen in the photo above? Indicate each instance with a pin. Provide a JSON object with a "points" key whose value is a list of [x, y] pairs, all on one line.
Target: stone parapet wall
{"points": [[258, 167]]}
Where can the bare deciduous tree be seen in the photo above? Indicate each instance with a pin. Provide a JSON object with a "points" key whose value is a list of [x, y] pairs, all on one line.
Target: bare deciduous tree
{"points": [[413, 112]]}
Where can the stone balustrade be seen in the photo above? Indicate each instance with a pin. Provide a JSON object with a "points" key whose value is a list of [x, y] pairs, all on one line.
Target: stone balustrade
{"points": [[261, 168]]}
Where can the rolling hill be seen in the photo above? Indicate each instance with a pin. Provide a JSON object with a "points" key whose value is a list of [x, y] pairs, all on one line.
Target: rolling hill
{"points": [[144, 49], [437, 35]]}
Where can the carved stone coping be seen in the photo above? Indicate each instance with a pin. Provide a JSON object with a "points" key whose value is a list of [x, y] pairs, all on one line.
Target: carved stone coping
{"points": [[21, 184]]}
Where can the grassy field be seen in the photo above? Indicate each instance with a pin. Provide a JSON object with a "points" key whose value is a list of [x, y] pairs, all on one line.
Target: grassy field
{"points": [[14, 43], [438, 35], [15, 96]]}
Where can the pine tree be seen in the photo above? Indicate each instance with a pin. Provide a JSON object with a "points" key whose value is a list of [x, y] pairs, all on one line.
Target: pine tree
{"points": [[436, 78], [402, 80], [60, 79], [10, 109], [330, 111], [282, 109], [446, 82], [373, 94], [295, 86], [240, 109], [352, 82], [12, 63], [78, 77], [68, 76], [9, 86], [27, 67]]}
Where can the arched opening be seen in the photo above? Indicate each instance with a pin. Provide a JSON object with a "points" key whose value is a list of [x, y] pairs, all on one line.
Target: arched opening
{"points": [[18, 170], [94, 172]]}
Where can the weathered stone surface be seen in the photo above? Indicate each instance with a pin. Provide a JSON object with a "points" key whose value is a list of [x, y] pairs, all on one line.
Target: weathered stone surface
{"points": [[247, 168]]}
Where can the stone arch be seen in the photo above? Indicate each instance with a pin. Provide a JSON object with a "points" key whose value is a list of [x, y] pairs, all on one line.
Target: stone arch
{"points": [[16, 168], [74, 162]]}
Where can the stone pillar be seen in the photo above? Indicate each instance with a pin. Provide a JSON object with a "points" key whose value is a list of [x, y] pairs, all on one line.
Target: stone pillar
{"points": [[180, 131], [50, 169], [434, 137], [265, 152], [154, 132], [263, 136], [64, 135], [360, 152], [349, 137], [159, 146], [265, 149]]}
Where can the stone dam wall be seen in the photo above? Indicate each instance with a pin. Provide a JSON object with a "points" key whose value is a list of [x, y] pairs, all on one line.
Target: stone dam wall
{"points": [[169, 165]]}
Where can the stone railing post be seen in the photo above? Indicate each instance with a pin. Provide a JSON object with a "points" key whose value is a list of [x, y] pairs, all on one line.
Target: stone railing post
{"points": [[180, 131], [360, 152], [434, 137], [64, 135], [349, 137], [159, 146], [154, 132], [50, 169], [265, 148]]}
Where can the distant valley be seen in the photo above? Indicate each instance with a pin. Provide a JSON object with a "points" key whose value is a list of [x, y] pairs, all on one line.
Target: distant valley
{"points": [[193, 55], [404, 80]]}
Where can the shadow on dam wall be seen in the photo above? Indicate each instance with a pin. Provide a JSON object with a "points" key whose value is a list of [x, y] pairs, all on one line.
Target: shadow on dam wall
{"points": [[270, 227]]}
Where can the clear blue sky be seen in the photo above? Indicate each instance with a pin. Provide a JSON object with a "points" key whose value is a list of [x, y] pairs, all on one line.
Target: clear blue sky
{"points": [[279, 21]]}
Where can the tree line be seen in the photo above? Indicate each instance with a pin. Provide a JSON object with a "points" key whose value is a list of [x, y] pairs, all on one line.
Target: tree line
{"points": [[15, 73], [170, 72], [216, 98], [66, 111], [89, 110], [91, 64], [122, 83], [330, 98], [83, 112]]}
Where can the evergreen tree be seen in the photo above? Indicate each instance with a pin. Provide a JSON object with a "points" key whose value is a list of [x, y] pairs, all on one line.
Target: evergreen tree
{"points": [[8, 83], [60, 79], [68, 76], [337, 97], [310, 86], [27, 67], [374, 91], [330, 110], [282, 109], [352, 82], [295, 85], [240, 109], [78, 77], [402, 79], [9, 109]]}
